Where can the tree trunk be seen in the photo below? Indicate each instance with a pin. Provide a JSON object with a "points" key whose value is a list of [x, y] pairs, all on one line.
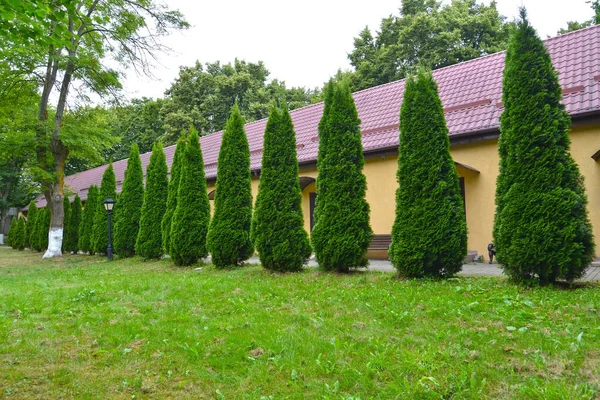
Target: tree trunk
{"points": [[54, 192]]}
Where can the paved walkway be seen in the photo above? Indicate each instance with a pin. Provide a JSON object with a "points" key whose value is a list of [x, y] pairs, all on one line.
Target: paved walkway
{"points": [[472, 269]]}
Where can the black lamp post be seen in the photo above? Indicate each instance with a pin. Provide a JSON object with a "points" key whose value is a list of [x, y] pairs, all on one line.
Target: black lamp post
{"points": [[108, 206]]}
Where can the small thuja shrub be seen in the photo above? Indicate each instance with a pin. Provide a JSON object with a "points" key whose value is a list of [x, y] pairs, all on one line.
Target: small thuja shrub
{"points": [[32, 212], [128, 208], [66, 220], [172, 195], [86, 228], [72, 236], [108, 188], [189, 225], [149, 239]]}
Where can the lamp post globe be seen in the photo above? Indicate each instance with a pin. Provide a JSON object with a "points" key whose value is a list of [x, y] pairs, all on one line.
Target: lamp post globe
{"points": [[108, 206]]}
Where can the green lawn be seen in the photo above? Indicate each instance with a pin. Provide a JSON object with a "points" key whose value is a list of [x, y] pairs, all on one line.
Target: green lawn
{"points": [[81, 327]]}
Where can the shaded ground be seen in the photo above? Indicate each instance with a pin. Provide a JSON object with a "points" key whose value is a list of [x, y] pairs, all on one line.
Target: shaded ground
{"points": [[473, 269]]}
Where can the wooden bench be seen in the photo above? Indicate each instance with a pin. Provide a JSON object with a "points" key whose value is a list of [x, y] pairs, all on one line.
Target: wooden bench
{"points": [[381, 242]]}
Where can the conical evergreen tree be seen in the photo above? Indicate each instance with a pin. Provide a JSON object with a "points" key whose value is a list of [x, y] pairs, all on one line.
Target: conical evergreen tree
{"points": [[128, 209], [172, 195], [108, 188], [429, 236], [86, 229], [34, 235], [72, 236], [12, 234], [42, 228], [18, 241], [541, 229], [278, 223], [323, 143], [342, 233], [149, 239], [190, 221], [66, 221], [32, 212], [228, 237]]}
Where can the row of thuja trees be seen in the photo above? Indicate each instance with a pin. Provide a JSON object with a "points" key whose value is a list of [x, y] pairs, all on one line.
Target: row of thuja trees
{"points": [[541, 226]]}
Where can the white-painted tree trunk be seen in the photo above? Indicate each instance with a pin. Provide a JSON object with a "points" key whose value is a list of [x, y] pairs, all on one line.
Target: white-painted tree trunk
{"points": [[55, 236]]}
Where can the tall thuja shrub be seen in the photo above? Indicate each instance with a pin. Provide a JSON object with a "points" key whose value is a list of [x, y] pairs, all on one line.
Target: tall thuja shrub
{"points": [[323, 143], [149, 239], [129, 205], [42, 227], [32, 212], [67, 221], [172, 193], [541, 229], [108, 188], [229, 234], [72, 236], [342, 233], [429, 236], [278, 223], [86, 229], [189, 225]]}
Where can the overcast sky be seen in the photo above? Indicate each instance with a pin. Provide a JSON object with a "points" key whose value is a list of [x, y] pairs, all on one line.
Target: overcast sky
{"points": [[301, 42]]}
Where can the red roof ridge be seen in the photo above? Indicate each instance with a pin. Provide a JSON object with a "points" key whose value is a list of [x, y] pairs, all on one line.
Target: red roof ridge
{"points": [[558, 36]]}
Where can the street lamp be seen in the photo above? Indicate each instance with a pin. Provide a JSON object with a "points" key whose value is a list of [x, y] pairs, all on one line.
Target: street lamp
{"points": [[108, 206]]}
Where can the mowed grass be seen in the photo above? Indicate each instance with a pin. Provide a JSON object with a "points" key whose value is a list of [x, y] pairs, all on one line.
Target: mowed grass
{"points": [[82, 327]]}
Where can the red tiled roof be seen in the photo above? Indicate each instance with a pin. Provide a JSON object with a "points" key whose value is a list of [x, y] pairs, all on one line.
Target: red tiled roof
{"points": [[471, 93]]}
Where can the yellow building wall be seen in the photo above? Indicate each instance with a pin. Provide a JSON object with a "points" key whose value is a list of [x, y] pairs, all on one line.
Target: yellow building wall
{"points": [[585, 141], [480, 190]]}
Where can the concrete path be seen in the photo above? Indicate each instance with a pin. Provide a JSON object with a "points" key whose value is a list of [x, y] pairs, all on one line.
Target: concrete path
{"points": [[472, 269]]}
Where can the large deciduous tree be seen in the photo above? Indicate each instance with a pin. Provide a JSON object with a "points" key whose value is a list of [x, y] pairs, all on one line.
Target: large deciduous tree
{"points": [[575, 25], [541, 228], [149, 238], [342, 233], [172, 195], [429, 236], [189, 225], [229, 234], [203, 94], [278, 224], [427, 33], [108, 189], [129, 205], [75, 41]]}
